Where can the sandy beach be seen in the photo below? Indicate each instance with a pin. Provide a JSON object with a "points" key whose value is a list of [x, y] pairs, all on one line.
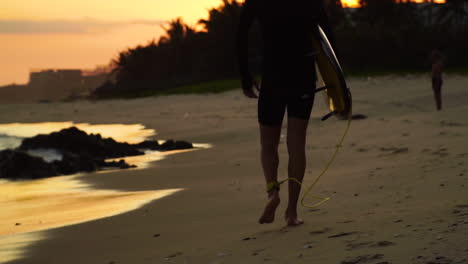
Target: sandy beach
{"points": [[398, 189]]}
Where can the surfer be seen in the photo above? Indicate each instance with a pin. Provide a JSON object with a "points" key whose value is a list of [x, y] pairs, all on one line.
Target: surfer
{"points": [[288, 84], [437, 60]]}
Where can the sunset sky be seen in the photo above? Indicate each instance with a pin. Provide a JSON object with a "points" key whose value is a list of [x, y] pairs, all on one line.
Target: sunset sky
{"points": [[82, 33]]}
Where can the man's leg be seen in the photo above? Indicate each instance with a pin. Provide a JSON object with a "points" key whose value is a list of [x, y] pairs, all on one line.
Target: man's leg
{"points": [[269, 139], [439, 95], [296, 140], [436, 87]]}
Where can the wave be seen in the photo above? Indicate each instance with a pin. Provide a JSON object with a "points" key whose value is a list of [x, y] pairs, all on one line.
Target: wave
{"points": [[9, 142]]}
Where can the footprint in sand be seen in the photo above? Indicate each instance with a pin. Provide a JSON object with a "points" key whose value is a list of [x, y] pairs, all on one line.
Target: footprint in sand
{"points": [[394, 150], [383, 244], [342, 234], [450, 124], [369, 244], [321, 231], [359, 245], [364, 259], [345, 222], [441, 260], [441, 152]]}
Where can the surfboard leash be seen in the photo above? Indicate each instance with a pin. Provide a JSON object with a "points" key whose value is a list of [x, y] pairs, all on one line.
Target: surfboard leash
{"points": [[325, 169]]}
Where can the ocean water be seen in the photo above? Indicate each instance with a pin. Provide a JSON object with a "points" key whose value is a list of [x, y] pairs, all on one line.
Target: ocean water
{"points": [[12, 142], [39, 204], [9, 142], [11, 135]]}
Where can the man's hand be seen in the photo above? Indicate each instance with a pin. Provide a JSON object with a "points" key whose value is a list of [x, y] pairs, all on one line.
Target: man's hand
{"points": [[248, 88]]}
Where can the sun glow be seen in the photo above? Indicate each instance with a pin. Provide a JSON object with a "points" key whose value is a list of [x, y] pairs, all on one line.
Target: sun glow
{"points": [[355, 3]]}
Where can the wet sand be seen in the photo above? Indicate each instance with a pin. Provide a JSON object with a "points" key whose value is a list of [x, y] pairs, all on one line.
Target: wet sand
{"points": [[398, 187], [29, 207]]}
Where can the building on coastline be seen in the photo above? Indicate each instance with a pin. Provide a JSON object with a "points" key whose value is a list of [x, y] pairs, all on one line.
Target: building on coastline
{"points": [[55, 85]]}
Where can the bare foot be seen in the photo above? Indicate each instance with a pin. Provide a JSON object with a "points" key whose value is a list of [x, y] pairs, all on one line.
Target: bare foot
{"points": [[268, 215], [292, 219]]}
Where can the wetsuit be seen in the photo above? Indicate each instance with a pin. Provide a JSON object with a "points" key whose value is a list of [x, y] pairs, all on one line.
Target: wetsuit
{"points": [[289, 77]]}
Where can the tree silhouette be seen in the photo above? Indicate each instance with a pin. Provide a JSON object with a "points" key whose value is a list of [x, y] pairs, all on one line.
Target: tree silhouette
{"points": [[375, 12], [380, 35], [453, 14], [176, 32]]}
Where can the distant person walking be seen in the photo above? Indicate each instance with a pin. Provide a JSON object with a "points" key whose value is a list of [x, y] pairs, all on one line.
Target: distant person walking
{"points": [[288, 83], [437, 60]]}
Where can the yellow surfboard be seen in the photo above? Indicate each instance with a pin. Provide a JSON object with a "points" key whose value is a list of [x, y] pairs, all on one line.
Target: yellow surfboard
{"points": [[336, 92]]}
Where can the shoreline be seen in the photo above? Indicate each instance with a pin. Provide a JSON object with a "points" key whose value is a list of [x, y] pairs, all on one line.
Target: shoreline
{"points": [[398, 187], [34, 206]]}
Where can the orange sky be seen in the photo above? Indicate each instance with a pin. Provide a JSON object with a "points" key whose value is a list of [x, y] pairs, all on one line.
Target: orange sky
{"points": [[83, 33], [355, 3]]}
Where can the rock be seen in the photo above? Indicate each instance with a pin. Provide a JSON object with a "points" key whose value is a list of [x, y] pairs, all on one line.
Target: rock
{"points": [[72, 163], [80, 153], [175, 145], [121, 164], [148, 144], [76, 141], [166, 146], [15, 164], [20, 165]]}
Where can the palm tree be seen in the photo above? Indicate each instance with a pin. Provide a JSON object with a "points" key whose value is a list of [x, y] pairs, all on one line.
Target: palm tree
{"points": [[453, 14], [221, 27], [336, 12], [176, 32], [374, 12], [222, 19]]}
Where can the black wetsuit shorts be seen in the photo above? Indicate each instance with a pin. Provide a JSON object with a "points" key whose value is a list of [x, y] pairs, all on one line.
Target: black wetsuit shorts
{"points": [[287, 86]]}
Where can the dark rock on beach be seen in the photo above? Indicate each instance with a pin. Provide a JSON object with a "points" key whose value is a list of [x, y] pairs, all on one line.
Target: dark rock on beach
{"points": [[20, 165], [166, 146], [148, 144], [80, 153], [78, 142], [17, 164], [73, 163], [175, 145]]}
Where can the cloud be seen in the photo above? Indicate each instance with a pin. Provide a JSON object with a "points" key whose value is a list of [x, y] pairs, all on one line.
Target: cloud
{"points": [[82, 26]]}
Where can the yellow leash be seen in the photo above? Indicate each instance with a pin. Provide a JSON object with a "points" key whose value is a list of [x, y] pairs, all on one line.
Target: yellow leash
{"points": [[330, 162]]}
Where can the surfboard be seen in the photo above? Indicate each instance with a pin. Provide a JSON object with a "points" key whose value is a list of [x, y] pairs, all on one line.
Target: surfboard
{"points": [[336, 92]]}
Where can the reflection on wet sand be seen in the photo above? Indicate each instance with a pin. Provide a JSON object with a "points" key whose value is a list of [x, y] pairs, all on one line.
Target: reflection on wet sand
{"points": [[144, 161], [13, 246], [132, 134], [55, 202], [27, 207]]}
